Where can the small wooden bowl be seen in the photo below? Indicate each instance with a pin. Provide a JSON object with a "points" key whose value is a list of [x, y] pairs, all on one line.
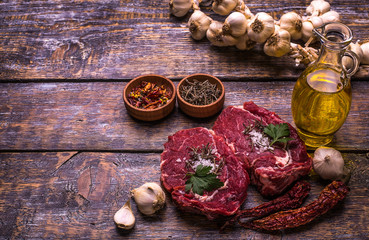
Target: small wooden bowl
{"points": [[150, 114], [201, 111]]}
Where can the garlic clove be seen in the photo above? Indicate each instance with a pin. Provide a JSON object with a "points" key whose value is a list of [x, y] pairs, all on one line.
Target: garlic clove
{"points": [[318, 7], [292, 22], [224, 7], [180, 8], [149, 198], [198, 24], [365, 48], [328, 163], [124, 217], [261, 27], [330, 16]]}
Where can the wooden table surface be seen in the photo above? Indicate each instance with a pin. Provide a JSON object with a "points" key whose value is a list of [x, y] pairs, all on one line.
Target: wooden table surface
{"points": [[70, 153]]}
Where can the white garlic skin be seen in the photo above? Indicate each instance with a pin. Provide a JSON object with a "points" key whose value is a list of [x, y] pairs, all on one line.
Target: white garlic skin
{"points": [[215, 34], [292, 22], [318, 7], [278, 44], [224, 7], [149, 198], [307, 30], [365, 49], [356, 48], [261, 27], [179, 8], [229, 40], [308, 26], [328, 163], [244, 43], [235, 24], [198, 24], [316, 21], [330, 16], [124, 217]]}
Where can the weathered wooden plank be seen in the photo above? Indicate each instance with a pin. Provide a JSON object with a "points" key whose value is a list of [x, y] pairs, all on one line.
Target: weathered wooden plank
{"points": [[74, 196], [92, 116], [122, 39]]}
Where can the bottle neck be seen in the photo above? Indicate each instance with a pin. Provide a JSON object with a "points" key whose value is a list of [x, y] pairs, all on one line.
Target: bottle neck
{"points": [[332, 57]]}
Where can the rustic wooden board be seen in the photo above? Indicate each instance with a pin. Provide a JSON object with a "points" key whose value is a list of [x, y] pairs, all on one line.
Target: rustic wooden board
{"points": [[74, 195], [123, 39], [92, 116]]}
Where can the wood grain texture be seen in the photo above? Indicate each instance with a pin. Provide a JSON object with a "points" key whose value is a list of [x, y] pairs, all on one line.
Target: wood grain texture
{"points": [[92, 116], [123, 39], [73, 195]]}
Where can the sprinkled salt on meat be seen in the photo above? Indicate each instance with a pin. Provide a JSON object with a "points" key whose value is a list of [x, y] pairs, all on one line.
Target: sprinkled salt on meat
{"points": [[176, 163], [272, 169]]}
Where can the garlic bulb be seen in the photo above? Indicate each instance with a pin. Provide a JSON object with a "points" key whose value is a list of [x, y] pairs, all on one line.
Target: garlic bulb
{"points": [[316, 21], [365, 49], [308, 26], [307, 30], [235, 24], [198, 24], [224, 7], [241, 7], [328, 163], [229, 40], [330, 16], [318, 7], [356, 48], [149, 198], [244, 43], [124, 217], [215, 34], [292, 22], [260, 27], [179, 8], [278, 44], [347, 62]]}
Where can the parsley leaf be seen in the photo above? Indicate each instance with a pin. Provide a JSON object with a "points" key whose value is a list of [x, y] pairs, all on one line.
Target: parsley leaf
{"points": [[278, 132], [202, 180]]}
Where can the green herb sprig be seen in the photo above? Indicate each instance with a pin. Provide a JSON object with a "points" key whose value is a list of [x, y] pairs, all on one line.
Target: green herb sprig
{"points": [[202, 180], [278, 133]]}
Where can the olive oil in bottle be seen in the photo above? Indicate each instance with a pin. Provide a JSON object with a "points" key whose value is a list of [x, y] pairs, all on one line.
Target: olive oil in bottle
{"points": [[321, 98], [321, 101]]}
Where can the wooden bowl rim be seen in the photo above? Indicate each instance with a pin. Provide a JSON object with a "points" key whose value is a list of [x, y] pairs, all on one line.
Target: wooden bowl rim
{"points": [[146, 76], [201, 106]]}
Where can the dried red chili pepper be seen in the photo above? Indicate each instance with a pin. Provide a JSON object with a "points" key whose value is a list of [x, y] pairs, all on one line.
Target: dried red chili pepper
{"points": [[291, 199], [328, 198], [148, 95]]}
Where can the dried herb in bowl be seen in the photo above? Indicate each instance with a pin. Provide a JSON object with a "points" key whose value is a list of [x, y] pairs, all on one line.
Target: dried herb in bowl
{"points": [[199, 92], [148, 95]]}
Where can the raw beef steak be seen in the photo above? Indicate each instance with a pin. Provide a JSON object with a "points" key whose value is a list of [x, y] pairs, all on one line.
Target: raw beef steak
{"points": [[177, 161], [272, 168]]}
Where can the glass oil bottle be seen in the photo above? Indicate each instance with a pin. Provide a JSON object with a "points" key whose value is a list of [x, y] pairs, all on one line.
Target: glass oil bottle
{"points": [[321, 98]]}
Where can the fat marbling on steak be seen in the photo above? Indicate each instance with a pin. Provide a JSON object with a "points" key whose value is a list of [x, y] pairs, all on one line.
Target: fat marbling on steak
{"points": [[272, 168], [176, 163]]}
